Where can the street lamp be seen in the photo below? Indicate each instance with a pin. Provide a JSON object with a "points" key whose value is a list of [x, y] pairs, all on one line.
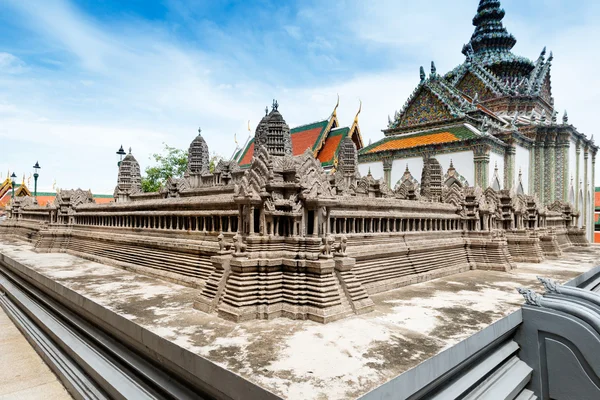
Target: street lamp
{"points": [[13, 177], [36, 169], [120, 153]]}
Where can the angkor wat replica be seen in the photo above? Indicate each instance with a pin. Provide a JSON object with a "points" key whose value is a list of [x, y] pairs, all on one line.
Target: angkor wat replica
{"points": [[286, 238]]}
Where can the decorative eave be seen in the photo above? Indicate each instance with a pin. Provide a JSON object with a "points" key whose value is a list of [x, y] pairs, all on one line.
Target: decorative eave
{"points": [[494, 144], [331, 124]]}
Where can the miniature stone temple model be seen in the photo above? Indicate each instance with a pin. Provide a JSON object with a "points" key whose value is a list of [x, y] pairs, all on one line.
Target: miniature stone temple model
{"points": [[284, 237]]}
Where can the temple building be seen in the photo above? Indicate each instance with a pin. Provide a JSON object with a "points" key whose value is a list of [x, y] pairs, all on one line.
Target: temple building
{"points": [[323, 138], [6, 194], [493, 119]]}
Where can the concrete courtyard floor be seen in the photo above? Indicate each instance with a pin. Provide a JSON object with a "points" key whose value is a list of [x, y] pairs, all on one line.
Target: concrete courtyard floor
{"points": [[23, 374], [304, 359]]}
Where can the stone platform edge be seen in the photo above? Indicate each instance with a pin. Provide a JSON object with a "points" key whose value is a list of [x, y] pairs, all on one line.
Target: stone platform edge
{"points": [[192, 368]]}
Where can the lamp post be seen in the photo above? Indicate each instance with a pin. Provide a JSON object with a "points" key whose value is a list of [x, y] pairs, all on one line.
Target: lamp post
{"points": [[13, 177], [36, 169], [120, 154]]}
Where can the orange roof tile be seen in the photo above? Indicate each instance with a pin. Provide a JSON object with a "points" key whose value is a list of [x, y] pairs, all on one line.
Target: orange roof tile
{"points": [[248, 155], [327, 153], [404, 143], [597, 198], [303, 140]]}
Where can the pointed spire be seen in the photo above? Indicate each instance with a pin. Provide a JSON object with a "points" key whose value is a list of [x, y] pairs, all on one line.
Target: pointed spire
{"points": [[565, 118], [554, 117], [490, 36], [406, 168], [422, 74], [130, 150], [199, 131], [275, 105], [543, 53], [266, 111], [550, 57], [433, 69], [389, 120]]}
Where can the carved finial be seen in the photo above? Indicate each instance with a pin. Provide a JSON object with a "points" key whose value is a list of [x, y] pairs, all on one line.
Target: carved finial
{"points": [[359, 110], [130, 150], [370, 142], [515, 119], [389, 121], [406, 168], [484, 125], [334, 113], [565, 118], [369, 174], [451, 164], [275, 105], [551, 57], [554, 117], [543, 53], [550, 285], [520, 175], [531, 297], [266, 111], [496, 168], [543, 117], [592, 139], [422, 74], [476, 99], [199, 130], [433, 69]]}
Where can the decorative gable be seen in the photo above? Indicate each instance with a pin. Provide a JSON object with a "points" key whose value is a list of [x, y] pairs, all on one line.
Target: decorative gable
{"points": [[424, 108], [472, 86]]}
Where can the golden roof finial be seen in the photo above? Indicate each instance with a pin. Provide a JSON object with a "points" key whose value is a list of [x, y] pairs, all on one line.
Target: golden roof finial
{"points": [[334, 113], [359, 110]]}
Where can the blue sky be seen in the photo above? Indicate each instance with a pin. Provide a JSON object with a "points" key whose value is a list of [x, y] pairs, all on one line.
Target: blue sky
{"points": [[78, 78]]}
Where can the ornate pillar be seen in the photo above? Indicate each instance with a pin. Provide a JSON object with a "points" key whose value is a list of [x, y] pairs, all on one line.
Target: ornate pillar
{"points": [[577, 175], [550, 171], [593, 205], [562, 162], [539, 176], [586, 211], [509, 167], [387, 170], [481, 160]]}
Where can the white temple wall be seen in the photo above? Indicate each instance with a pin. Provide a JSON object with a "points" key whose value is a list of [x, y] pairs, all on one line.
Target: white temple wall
{"points": [[522, 158], [375, 167], [415, 166], [463, 163], [496, 160]]}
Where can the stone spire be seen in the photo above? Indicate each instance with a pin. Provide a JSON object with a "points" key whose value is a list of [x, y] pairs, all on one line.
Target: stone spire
{"points": [[422, 74], [490, 35], [565, 118], [273, 133], [198, 156], [130, 178]]}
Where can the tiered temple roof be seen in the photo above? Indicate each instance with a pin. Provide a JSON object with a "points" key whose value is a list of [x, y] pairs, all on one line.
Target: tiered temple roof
{"points": [[322, 138]]}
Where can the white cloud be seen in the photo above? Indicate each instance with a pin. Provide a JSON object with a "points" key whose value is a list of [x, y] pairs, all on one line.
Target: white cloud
{"points": [[10, 64]]}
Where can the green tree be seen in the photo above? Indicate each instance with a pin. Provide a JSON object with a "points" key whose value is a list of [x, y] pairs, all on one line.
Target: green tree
{"points": [[171, 163]]}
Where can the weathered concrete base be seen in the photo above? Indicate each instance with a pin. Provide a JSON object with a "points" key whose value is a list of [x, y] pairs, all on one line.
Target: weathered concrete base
{"points": [[293, 358]]}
